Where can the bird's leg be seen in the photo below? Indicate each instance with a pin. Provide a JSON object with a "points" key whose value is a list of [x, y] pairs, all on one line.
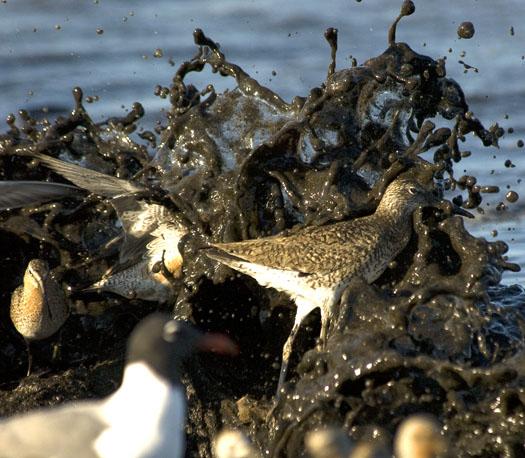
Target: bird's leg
{"points": [[287, 188], [54, 209], [29, 357], [287, 351], [182, 307], [325, 324], [57, 347]]}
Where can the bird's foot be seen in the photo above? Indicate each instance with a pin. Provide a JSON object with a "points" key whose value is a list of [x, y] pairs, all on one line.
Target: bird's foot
{"points": [[280, 395], [275, 403]]}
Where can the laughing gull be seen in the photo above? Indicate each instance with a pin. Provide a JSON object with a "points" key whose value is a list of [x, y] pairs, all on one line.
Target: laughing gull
{"points": [[16, 194], [145, 417]]}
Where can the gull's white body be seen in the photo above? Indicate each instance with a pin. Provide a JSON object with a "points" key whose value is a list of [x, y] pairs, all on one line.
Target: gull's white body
{"points": [[144, 418]]}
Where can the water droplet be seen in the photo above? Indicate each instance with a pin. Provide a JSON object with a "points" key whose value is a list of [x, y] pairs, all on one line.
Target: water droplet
{"points": [[466, 30]]}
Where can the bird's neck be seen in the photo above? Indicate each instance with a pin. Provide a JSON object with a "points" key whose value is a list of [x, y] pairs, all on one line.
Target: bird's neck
{"points": [[398, 215], [145, 416], [139, 377]]}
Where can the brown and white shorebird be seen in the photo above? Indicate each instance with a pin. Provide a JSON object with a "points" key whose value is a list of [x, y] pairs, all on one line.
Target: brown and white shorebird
{"points": [[315, 265], [39, 306], [149, 258]]}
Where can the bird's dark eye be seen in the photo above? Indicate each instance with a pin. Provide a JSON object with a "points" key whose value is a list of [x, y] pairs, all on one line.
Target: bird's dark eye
{"points": [[171, 328], [412, 190]]}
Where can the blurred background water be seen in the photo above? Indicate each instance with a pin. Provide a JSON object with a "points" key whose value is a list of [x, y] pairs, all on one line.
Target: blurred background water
{"points": [[107, 47]]}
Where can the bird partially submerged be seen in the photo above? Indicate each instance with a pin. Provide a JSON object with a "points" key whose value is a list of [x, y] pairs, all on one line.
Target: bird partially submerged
{"points": [[149, 259]]}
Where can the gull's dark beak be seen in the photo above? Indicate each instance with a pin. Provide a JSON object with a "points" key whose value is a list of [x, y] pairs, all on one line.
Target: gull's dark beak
{"points": [[218, 343], [457, 210]]}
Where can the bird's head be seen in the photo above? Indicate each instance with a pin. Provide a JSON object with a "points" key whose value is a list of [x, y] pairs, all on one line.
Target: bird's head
{"points": [[405, 194], [164, 344]]}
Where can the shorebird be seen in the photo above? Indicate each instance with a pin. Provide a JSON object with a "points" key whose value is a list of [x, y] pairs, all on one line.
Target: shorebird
{"points": [[39, 306], [145, 417], [315, 265], [149, 259], [419, 436], [234, 444], [328, 443]]}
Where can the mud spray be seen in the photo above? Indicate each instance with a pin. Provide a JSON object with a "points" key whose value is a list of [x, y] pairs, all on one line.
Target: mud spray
{"points": [[436, 333]]}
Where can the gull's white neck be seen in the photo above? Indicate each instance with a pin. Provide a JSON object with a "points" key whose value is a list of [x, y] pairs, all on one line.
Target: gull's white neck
{"points": [[145, 416]]}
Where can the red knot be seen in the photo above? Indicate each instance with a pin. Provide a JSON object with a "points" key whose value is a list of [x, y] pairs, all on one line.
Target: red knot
{"points": [[150, 263], [150, 260], [39, 306]]}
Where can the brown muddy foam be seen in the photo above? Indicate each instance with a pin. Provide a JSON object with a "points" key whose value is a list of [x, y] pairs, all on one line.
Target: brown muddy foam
{"points": [[436, 333]]}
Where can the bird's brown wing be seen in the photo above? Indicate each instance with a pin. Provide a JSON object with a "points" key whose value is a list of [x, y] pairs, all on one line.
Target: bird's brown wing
{"points": [[311, 250]]}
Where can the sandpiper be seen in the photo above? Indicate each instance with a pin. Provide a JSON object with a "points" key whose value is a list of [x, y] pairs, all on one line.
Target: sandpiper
{"points": [[316, 264], [145, 417], [39, 306], [149, 259]]}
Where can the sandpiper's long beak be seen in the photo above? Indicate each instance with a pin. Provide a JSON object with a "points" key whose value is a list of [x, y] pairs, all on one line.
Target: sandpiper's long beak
{"points": [[450, 206], [218, 343], [457, 210]]}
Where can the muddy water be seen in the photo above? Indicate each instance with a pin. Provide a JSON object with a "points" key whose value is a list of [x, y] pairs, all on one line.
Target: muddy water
{"points": [[118, 67], [436, 333]]}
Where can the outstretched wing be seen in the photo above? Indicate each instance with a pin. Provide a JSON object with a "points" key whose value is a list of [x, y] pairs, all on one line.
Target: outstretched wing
{"points": [[95, 182], [16, 194]]}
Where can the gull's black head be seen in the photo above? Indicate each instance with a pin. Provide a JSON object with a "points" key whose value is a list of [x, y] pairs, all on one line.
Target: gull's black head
{"points": [[163, 344]]}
